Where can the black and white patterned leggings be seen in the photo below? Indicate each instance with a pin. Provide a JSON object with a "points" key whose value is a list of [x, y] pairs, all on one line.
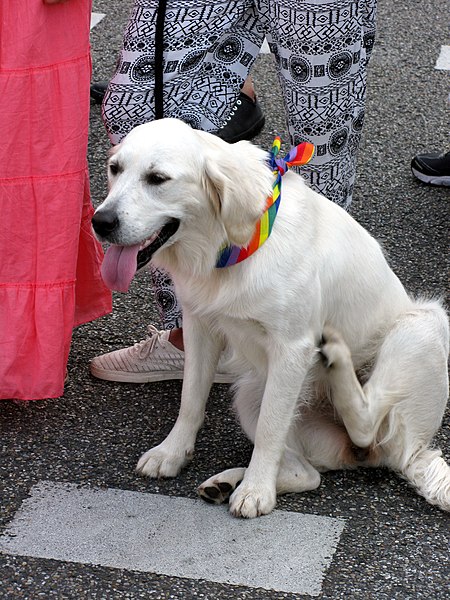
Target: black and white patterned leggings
{"points": [[321, 47]]}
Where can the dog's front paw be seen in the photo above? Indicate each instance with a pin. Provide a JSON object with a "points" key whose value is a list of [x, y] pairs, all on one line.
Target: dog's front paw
{"points": [[249, 501], [158, 462]]}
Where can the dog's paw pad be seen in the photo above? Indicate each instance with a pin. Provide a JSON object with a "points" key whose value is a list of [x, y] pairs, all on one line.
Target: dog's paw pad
{"points": [[212, 492], [216, 492], [327, 356], [206, 498], [225, 487]]}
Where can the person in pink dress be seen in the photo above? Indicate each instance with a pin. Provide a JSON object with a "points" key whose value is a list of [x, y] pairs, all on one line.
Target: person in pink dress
{"points": [[50, 261]]}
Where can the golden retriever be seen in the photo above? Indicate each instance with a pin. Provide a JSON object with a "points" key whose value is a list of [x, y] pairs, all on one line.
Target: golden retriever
{"points": [[336, 365]]}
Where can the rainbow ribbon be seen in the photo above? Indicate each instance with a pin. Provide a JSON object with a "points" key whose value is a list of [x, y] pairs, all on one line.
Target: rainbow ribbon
{"points": [[300, 155]]}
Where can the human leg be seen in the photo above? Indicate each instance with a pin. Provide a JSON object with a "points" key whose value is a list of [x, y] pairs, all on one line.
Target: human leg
{"points": [[49, 267], [322, 49], [210, 49]]}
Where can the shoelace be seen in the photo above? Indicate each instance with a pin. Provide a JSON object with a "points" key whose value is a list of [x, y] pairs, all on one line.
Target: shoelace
{"points": [[145, 347], [232, 113]]}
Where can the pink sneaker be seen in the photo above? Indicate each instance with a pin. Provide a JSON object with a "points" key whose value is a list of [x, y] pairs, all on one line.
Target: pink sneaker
{"points": [[153, 359]]}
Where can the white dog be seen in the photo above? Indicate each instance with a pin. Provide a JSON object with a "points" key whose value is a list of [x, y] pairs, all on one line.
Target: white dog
{"points": [[337, 367]]}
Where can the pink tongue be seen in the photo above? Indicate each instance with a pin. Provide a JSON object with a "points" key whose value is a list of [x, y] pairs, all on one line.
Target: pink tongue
{"points": [[119, 266]]}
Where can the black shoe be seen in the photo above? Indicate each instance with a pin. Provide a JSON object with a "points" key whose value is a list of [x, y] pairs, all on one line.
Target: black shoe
{"points": [[98, 91], [432, 168], [245, 121]]}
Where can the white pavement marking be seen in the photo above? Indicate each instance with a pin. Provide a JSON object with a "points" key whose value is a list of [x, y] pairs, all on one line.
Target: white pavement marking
{"points": [[265, 47], [284, 551], [443, 61], [96, 18]]}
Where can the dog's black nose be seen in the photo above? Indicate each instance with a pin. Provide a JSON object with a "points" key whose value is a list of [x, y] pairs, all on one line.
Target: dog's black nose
{"points": [[105, 222]]}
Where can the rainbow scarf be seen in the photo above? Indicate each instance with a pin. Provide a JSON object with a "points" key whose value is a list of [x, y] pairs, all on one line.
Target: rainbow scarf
{"points": [[300, 155]]}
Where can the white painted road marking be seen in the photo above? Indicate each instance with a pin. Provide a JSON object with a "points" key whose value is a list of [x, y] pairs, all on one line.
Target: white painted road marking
{"points": [[443, 61], [284, 551], [96, 18], [265, 47]]}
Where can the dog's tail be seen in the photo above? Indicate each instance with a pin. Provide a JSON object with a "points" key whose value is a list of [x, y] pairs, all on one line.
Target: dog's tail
{"points": [[428, 472]]}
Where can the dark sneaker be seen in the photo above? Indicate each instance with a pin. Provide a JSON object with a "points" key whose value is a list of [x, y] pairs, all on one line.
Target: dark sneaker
{"points": [[246, 120], [432, 168], [98, 90]]}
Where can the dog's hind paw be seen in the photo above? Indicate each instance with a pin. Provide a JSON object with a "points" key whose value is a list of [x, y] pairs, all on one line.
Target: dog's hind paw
{"points": [[218, 489], [217, 493], [332, 349]]}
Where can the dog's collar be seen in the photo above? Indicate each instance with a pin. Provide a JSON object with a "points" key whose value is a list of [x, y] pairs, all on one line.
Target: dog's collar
{"points": [[300, 155]]}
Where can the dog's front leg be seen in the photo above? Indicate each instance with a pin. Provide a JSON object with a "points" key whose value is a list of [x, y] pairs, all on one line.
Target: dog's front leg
{"points": [[287, 368], [202, 351]]}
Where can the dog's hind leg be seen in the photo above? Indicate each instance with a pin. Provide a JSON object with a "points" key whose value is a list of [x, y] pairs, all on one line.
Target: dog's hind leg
{"points": [[400, 408], [295, 475], [418, 346], [349, 400]]}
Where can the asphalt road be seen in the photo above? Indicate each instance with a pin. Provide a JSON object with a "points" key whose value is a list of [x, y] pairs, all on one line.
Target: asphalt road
{"points": [[394, 545]]}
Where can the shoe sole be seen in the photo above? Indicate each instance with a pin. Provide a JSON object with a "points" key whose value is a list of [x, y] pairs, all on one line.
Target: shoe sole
{"points": [[432, 179], [122, 377]]}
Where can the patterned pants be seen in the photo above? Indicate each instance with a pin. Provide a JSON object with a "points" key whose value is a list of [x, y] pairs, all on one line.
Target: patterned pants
{"points": [[321, 48]]}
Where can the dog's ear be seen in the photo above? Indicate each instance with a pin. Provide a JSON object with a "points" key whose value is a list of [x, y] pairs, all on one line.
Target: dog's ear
{"points": [[113, 150], [239, 181]]}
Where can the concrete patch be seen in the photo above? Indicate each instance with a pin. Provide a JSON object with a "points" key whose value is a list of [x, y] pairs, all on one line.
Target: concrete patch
{"points": [[284, 551]]}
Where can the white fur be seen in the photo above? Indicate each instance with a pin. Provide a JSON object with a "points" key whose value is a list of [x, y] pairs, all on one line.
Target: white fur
{"points": [[319, 274]]}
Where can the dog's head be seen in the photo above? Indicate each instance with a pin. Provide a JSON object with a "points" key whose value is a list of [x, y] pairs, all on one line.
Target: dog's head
{"points": [[174, 188]]}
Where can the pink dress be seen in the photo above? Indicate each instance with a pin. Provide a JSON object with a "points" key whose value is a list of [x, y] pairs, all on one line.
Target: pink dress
{"points": [[49, 260]]}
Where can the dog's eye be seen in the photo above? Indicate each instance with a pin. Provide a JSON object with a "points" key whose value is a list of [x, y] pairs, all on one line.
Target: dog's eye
{"points": [[114, 168], [156, 178]]}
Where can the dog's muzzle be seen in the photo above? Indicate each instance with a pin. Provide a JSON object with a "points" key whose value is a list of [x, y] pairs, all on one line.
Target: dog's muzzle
{"points": [[145, 255], [122, 261]]}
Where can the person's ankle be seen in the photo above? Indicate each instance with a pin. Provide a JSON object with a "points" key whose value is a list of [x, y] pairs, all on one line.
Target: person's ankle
{"points": [[248, 89], [176, 338]]}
